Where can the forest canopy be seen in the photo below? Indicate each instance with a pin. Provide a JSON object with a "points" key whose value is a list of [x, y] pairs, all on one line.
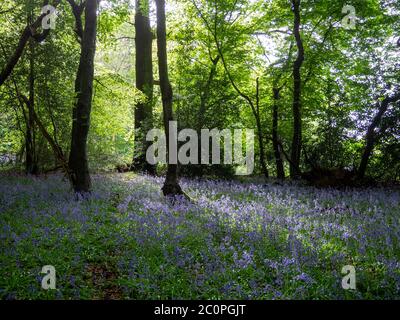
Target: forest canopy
{"points": [[317, 81]]}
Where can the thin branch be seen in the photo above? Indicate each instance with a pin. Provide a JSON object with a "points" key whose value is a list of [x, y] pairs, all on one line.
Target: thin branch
{"points": [[29, 31]]}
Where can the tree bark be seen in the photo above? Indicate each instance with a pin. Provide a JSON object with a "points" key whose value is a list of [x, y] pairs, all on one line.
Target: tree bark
{"points": [[171, 185], [280, 171], [31, 166], [144, 83], [77, 11], [297, 121], [78, 162], [370, 137], [259, 132]]}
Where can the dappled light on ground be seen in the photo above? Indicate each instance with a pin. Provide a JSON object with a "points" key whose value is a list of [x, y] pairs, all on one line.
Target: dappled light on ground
{"points": [[232, 240]]}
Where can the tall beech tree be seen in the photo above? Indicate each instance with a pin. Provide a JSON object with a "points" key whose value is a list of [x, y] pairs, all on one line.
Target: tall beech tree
{"points": [[144, 83], [78, 161], [280, 169], [31, 160], [297, 121], [171, 185]]}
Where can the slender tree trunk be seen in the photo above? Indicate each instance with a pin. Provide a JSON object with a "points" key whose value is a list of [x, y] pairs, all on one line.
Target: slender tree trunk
{"points": [[297, 121], [31, 166], [371, 134], [78, 162], [144, 82], [261, 147], [171, 185], [264, 168], [254, 107], [57, 150], [24, 101], [280, 171], [205, 95]]}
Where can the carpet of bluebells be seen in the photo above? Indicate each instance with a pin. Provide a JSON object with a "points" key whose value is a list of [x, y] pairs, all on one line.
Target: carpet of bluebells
{"points": [[233, 240]]}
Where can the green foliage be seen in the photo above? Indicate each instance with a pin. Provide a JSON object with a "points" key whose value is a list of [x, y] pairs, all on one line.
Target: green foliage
{"points": [[112, 129], [345, 73]]}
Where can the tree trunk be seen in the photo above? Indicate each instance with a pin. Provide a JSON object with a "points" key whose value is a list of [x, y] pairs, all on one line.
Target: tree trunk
{"points": [[144, 83], [204, 96], [206, 92], [254, 108], [58, 153], [297, 121], [78, 162], [371, 135], [31, 166], [264, 168], [280, 171], [171, 185]]}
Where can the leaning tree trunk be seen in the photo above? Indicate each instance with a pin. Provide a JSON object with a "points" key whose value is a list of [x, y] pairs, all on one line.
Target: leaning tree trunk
{"points": [[254, 108], [280, 170], [28, 33], [297, 125], [78, 162], [171, 185], [144, 83], [371, 135]]}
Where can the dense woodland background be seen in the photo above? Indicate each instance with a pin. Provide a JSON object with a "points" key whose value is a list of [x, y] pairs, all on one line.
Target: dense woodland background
{"points": [[323, 98]]}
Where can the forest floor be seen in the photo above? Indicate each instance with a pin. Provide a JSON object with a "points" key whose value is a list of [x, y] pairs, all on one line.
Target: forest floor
{"points": [[233, 240]]}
